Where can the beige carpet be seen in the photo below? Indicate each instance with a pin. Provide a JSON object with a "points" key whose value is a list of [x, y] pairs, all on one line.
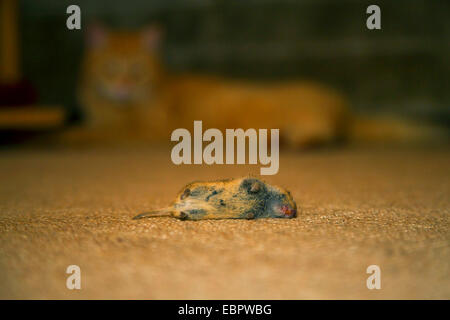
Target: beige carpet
{"points": [[358, 208]]}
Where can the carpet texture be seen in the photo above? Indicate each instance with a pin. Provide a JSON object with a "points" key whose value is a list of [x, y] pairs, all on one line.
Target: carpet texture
{"points": [[357, 208]]}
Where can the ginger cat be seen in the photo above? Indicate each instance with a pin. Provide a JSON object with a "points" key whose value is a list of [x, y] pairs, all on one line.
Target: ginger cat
{"points": [[128, 95]]}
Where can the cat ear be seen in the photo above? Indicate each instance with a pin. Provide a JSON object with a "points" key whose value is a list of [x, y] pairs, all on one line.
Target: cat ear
{"points": [[96, 35], [151, 37]]}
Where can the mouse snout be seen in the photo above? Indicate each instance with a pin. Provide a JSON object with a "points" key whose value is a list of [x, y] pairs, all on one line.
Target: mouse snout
{"points": [[283, 210], [288, 211]]}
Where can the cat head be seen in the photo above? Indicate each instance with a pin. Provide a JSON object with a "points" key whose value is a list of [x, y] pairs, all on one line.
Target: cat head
{"points": [[122, 67]]}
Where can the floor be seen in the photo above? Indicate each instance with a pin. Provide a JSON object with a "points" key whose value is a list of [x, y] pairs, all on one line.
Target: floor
{"points": [[357, 208]]}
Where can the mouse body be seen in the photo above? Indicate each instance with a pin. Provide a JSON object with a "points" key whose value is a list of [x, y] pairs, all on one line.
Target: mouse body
{"points": [[243, 198]]}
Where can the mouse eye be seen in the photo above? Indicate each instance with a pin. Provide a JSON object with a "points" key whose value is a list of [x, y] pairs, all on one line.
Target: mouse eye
{"points": [[185, 194]]}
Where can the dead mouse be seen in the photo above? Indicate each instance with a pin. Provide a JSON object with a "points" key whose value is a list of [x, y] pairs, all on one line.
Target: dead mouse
{"points": [[244, 198]]}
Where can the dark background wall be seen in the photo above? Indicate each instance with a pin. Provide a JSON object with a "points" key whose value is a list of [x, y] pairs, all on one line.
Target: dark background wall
{"points": [[402, 68]]}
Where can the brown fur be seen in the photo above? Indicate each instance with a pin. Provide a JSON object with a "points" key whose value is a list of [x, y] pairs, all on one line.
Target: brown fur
{"points": [[243, 198], [155, 102], [305, 113]]}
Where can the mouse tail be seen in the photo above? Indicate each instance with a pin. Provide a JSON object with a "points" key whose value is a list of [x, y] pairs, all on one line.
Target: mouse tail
{"points": [[164, 212]]}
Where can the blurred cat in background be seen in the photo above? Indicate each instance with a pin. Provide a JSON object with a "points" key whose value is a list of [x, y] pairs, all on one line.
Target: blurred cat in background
{"points": [[127, 94]]}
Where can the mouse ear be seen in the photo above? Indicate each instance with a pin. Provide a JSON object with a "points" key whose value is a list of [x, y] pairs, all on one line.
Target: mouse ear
{"points": [[252, 185]]}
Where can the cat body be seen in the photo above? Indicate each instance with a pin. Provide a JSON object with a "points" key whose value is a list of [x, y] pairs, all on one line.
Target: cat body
{"points": [[305, 113], [128, 95]]}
